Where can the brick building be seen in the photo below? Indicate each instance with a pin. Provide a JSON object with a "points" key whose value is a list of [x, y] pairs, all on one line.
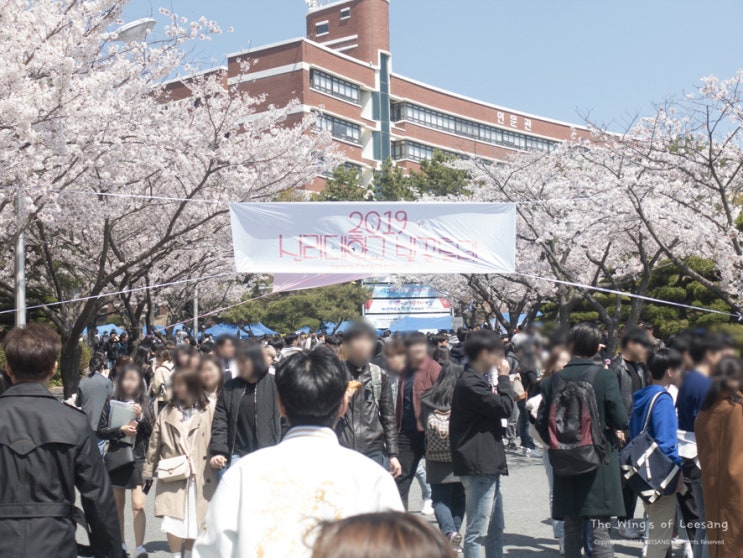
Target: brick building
{"points": [[342, 70]]}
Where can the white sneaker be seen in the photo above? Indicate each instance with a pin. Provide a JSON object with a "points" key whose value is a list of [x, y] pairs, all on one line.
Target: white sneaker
{"points": [[427, 508], [627, 532], [528, 452], [140, 552]]}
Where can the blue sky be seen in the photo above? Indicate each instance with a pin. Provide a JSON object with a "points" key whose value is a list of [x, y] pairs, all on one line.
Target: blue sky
{"points": [[563, 60]]}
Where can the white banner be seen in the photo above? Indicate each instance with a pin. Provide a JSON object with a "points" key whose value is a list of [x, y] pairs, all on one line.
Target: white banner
{"points": [[374, 238]]}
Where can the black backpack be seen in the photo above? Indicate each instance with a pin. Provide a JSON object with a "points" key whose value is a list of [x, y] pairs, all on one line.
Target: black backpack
{"points": [[576, 439]]}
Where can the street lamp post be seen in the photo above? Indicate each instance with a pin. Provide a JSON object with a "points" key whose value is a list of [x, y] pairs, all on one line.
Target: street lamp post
{"points": [[196, 313], [20, 266]]}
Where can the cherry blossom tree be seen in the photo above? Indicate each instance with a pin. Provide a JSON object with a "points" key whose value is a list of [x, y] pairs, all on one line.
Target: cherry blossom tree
{"points": [[124, 186], [688, 187]]}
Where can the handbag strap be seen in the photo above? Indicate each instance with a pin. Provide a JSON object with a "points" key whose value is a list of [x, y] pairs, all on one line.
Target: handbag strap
{"points": [[650, 410]]}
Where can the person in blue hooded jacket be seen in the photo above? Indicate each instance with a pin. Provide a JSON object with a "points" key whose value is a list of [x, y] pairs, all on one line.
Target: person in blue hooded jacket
{"points": [[665, 369]]}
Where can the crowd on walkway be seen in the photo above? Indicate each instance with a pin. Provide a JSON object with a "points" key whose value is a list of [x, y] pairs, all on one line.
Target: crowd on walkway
{"points": [[308, 445]]}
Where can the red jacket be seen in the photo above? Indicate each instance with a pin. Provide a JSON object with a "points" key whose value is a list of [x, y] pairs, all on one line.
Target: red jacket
{"points": [[425, 376]]}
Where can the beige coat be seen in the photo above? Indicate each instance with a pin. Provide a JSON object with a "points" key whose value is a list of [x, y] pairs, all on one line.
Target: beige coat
{"points": [[161, 378], [170, 498]]}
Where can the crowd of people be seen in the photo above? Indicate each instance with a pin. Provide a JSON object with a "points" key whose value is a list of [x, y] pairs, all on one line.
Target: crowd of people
{"points": [[308, 445]]}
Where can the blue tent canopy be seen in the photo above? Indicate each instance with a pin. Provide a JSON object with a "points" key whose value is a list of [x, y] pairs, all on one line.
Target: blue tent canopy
{"points": [[259, 329], [410, 323], [100, 330], [226, 329], [329, 327]]}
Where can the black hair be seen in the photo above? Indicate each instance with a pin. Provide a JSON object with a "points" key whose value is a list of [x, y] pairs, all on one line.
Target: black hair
{"points": [[140, 396], [584, 340], [142, 357], [277, 343], [482, 340], [223, 339], [681, 341], [333, 341], [727, 379], [254, 353], [359, 329], [462, 333], [441, 355], [441, 337], [416, 338], [97, 363], [206, 347], [662, 360], [703, 343], [635, 335], [311, 387], [290, 339], [441, 393]]}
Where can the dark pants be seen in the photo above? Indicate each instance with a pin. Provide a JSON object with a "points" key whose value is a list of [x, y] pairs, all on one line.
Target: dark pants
{"points": [[630, 502], [448, 505], [411, 449], [575, 534], [526, 439], [377, 457]]}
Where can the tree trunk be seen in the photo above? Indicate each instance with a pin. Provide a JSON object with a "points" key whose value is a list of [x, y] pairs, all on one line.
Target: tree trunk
{"points": [[70, 366]]}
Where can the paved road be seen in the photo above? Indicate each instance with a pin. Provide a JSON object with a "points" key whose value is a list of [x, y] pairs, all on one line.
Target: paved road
{"points": [[528, 530]]}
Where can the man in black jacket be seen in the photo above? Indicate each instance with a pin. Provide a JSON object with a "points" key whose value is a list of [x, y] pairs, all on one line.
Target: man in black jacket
{"points": [[47, 450], [631, 371], [247, 416], [369, 426], [477, 423]]}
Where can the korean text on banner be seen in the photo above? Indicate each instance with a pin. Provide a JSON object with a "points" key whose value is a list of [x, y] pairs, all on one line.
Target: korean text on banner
{"points": [[374, 238]]}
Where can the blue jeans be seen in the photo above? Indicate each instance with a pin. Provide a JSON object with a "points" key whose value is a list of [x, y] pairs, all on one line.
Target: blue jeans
{"points": [[526, 439], [701, 550], [485, 521], [420, 476], [449, 506], [379, 458]]}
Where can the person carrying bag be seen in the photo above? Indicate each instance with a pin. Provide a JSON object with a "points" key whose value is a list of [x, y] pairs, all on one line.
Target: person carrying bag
{"points": [[650, 462], [646, 468]]}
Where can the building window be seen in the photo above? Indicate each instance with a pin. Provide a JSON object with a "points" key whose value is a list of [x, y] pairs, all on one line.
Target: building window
{"points": [[334, 86], [340, 129], [322, 28], [413, 151], [345, 13], [468, 128]]}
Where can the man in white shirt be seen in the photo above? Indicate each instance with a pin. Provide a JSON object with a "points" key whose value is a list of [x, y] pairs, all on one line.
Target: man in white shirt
{"points": [[270, 502]]}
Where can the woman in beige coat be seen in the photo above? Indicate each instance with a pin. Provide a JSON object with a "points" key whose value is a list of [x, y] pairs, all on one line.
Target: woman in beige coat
{"points": [[183, 428], [160, 389]]}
